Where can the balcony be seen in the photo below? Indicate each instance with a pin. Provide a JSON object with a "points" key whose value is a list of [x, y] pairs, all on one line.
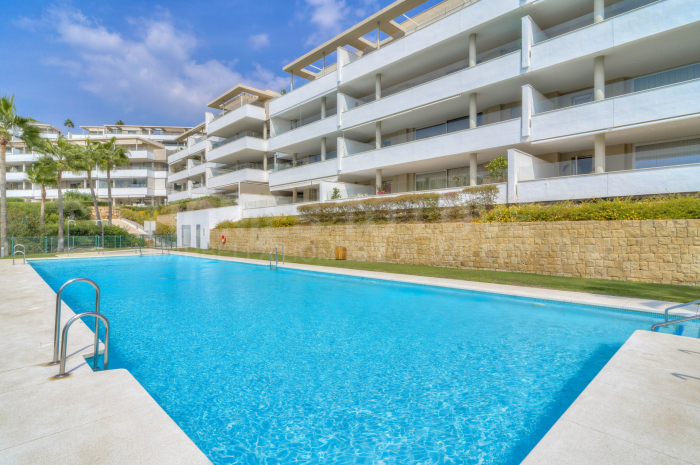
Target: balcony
{"points": [[497, 65], [307, 130], [306, 169], [434, 142], [660, 96], [302, 93], [174, 196], [248, 117], [653, 169], [241, 147], [619, 24], [246, 172], [141, 155]]}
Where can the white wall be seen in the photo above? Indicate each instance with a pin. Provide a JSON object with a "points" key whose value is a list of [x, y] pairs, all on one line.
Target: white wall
{"points": [[207, 220]]}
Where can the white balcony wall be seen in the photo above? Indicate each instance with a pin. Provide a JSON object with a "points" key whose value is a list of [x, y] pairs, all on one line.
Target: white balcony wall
{"points": [[141, 155], [22, 158], [467, 80], [661, 103], [672, 179], [244, 175], [502, 134], [596, 38], [246, 111], [311, 131], [323, 169], [242, 145], [16, 176], [25, 194], [179, 176], [432, 35], [179, 196], [279, 210], [313, 89]]}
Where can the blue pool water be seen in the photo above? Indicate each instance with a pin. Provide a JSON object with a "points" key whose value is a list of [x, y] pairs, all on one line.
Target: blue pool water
{"points": [[281, 366]]}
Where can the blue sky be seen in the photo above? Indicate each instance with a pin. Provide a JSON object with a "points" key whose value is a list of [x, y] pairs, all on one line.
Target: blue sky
{"points": [[149, 63]]}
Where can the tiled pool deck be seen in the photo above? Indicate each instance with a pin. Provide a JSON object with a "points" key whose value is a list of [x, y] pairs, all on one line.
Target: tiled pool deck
{"points": [[643, 407]]}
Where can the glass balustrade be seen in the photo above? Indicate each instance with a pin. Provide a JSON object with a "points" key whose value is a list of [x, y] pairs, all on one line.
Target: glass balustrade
{"points": [[666, 154], [618, 89], [459, 124], [257, 135], [586, 20], [299, 122], [243, 166], [287, 164], [237, 103]]}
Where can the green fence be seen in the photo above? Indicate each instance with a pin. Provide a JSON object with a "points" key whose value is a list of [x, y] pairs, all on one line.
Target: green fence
{"points": [[35, 245]]}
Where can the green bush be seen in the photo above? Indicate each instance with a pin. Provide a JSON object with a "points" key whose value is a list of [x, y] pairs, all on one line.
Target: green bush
{"points": [[673, 207], [162, 229], [260, 222], [14, 199]]}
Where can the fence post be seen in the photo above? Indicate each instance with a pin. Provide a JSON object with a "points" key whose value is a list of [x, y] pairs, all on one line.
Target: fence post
{"points": [[46, 243], [51, 244]]}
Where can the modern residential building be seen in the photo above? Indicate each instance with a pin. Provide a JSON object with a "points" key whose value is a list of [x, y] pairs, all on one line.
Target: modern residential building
{"points": [[143, 182], [584, 98]]}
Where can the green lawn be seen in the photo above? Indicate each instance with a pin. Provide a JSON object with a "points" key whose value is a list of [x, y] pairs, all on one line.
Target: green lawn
{"points": [[669, 292]]}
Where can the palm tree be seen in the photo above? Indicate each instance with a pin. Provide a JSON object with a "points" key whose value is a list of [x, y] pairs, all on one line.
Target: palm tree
{"points": [[114, 155], [90, 157], [12, 126], [65, 158], [42, 173], [69, 124]]}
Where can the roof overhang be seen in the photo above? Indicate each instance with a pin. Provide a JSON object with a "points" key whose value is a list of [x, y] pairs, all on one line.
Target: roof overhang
{"points": [[199, 129], [121, 140], [234, 92], [354, 36]]}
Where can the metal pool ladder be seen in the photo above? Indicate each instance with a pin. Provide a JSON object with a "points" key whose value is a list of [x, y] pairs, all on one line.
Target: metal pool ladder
{"points": [[280, 245], [15, 252], [98, 317], [680, 320], [57, 325], [276, 260]]}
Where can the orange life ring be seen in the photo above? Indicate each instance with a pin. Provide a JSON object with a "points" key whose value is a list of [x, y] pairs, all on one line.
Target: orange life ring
{"points": [[223, 238]]}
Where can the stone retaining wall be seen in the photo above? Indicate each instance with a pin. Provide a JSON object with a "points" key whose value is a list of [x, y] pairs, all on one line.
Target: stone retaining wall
{"points": [[660, 251], [167, 220], [104, 213]]}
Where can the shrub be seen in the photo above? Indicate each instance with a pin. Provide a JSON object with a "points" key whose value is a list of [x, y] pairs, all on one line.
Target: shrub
{"points": [[260, 222], [14, 199], [163, 229]]}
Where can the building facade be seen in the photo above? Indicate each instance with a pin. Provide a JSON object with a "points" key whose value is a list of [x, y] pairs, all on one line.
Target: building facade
{"points": [[142, 182], [583, 98]]}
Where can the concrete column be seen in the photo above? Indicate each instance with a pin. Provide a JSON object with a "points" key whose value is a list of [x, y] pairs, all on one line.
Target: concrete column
{"points": [[291, 82], [265, 161], [378, 134], [599, 156], [323, 148], [294, 195], [472, 111], [265, 131], [323, 107], [472, 50], [294, 159], [378, 36], [238, 162], [599, 78], [598, 10], [377, 86], [473, 168], [24, 167], [378, 180]]}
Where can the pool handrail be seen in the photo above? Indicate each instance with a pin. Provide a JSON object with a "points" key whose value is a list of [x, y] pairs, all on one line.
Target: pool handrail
{"points": [[697, 302], [57, 324], [673, 322], [139, 246], [280, 245], [23, 252], [98, 317], [276, 259]]}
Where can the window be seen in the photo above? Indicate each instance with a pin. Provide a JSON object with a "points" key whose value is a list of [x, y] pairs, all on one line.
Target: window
{"points": [[434, 180], [677, 152]]}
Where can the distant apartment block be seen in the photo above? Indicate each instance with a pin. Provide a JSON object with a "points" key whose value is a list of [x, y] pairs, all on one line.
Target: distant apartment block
{"points": [[142, 182]]}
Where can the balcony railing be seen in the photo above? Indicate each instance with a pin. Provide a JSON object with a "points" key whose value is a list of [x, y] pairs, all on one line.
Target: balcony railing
{"points": [[618, 89], [257, 135], [243, 166], [237, 103], [295, 124], [625, 6], [448, 127], [277, 201], [442, 72], [420, 21], [304, 161], [676, 153]]}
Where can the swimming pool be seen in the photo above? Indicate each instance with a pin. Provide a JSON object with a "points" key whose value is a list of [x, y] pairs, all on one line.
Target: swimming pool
{"points": [[279, 366]]}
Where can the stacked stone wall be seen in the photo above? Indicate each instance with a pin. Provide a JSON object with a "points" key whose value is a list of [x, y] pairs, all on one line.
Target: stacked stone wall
{"points": [[660, 251]]}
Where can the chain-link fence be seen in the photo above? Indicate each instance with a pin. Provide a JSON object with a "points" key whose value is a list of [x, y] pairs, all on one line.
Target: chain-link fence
{"points": [[39, 245]]}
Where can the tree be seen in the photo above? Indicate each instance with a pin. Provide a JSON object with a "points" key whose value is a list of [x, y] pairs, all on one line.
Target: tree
{"points": [[42, 173], [65, 158], [90, 156], [12, 125], [69, 124], [113, 155], [119, 123]]}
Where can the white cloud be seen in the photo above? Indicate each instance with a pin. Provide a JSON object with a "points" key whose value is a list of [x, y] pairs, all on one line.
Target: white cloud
{"points": [[156, 70], [331, 17], [259, 41]]}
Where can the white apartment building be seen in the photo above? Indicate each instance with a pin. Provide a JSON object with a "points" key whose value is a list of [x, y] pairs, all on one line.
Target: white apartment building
{"points": [[143, 182], [584, 98]]}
